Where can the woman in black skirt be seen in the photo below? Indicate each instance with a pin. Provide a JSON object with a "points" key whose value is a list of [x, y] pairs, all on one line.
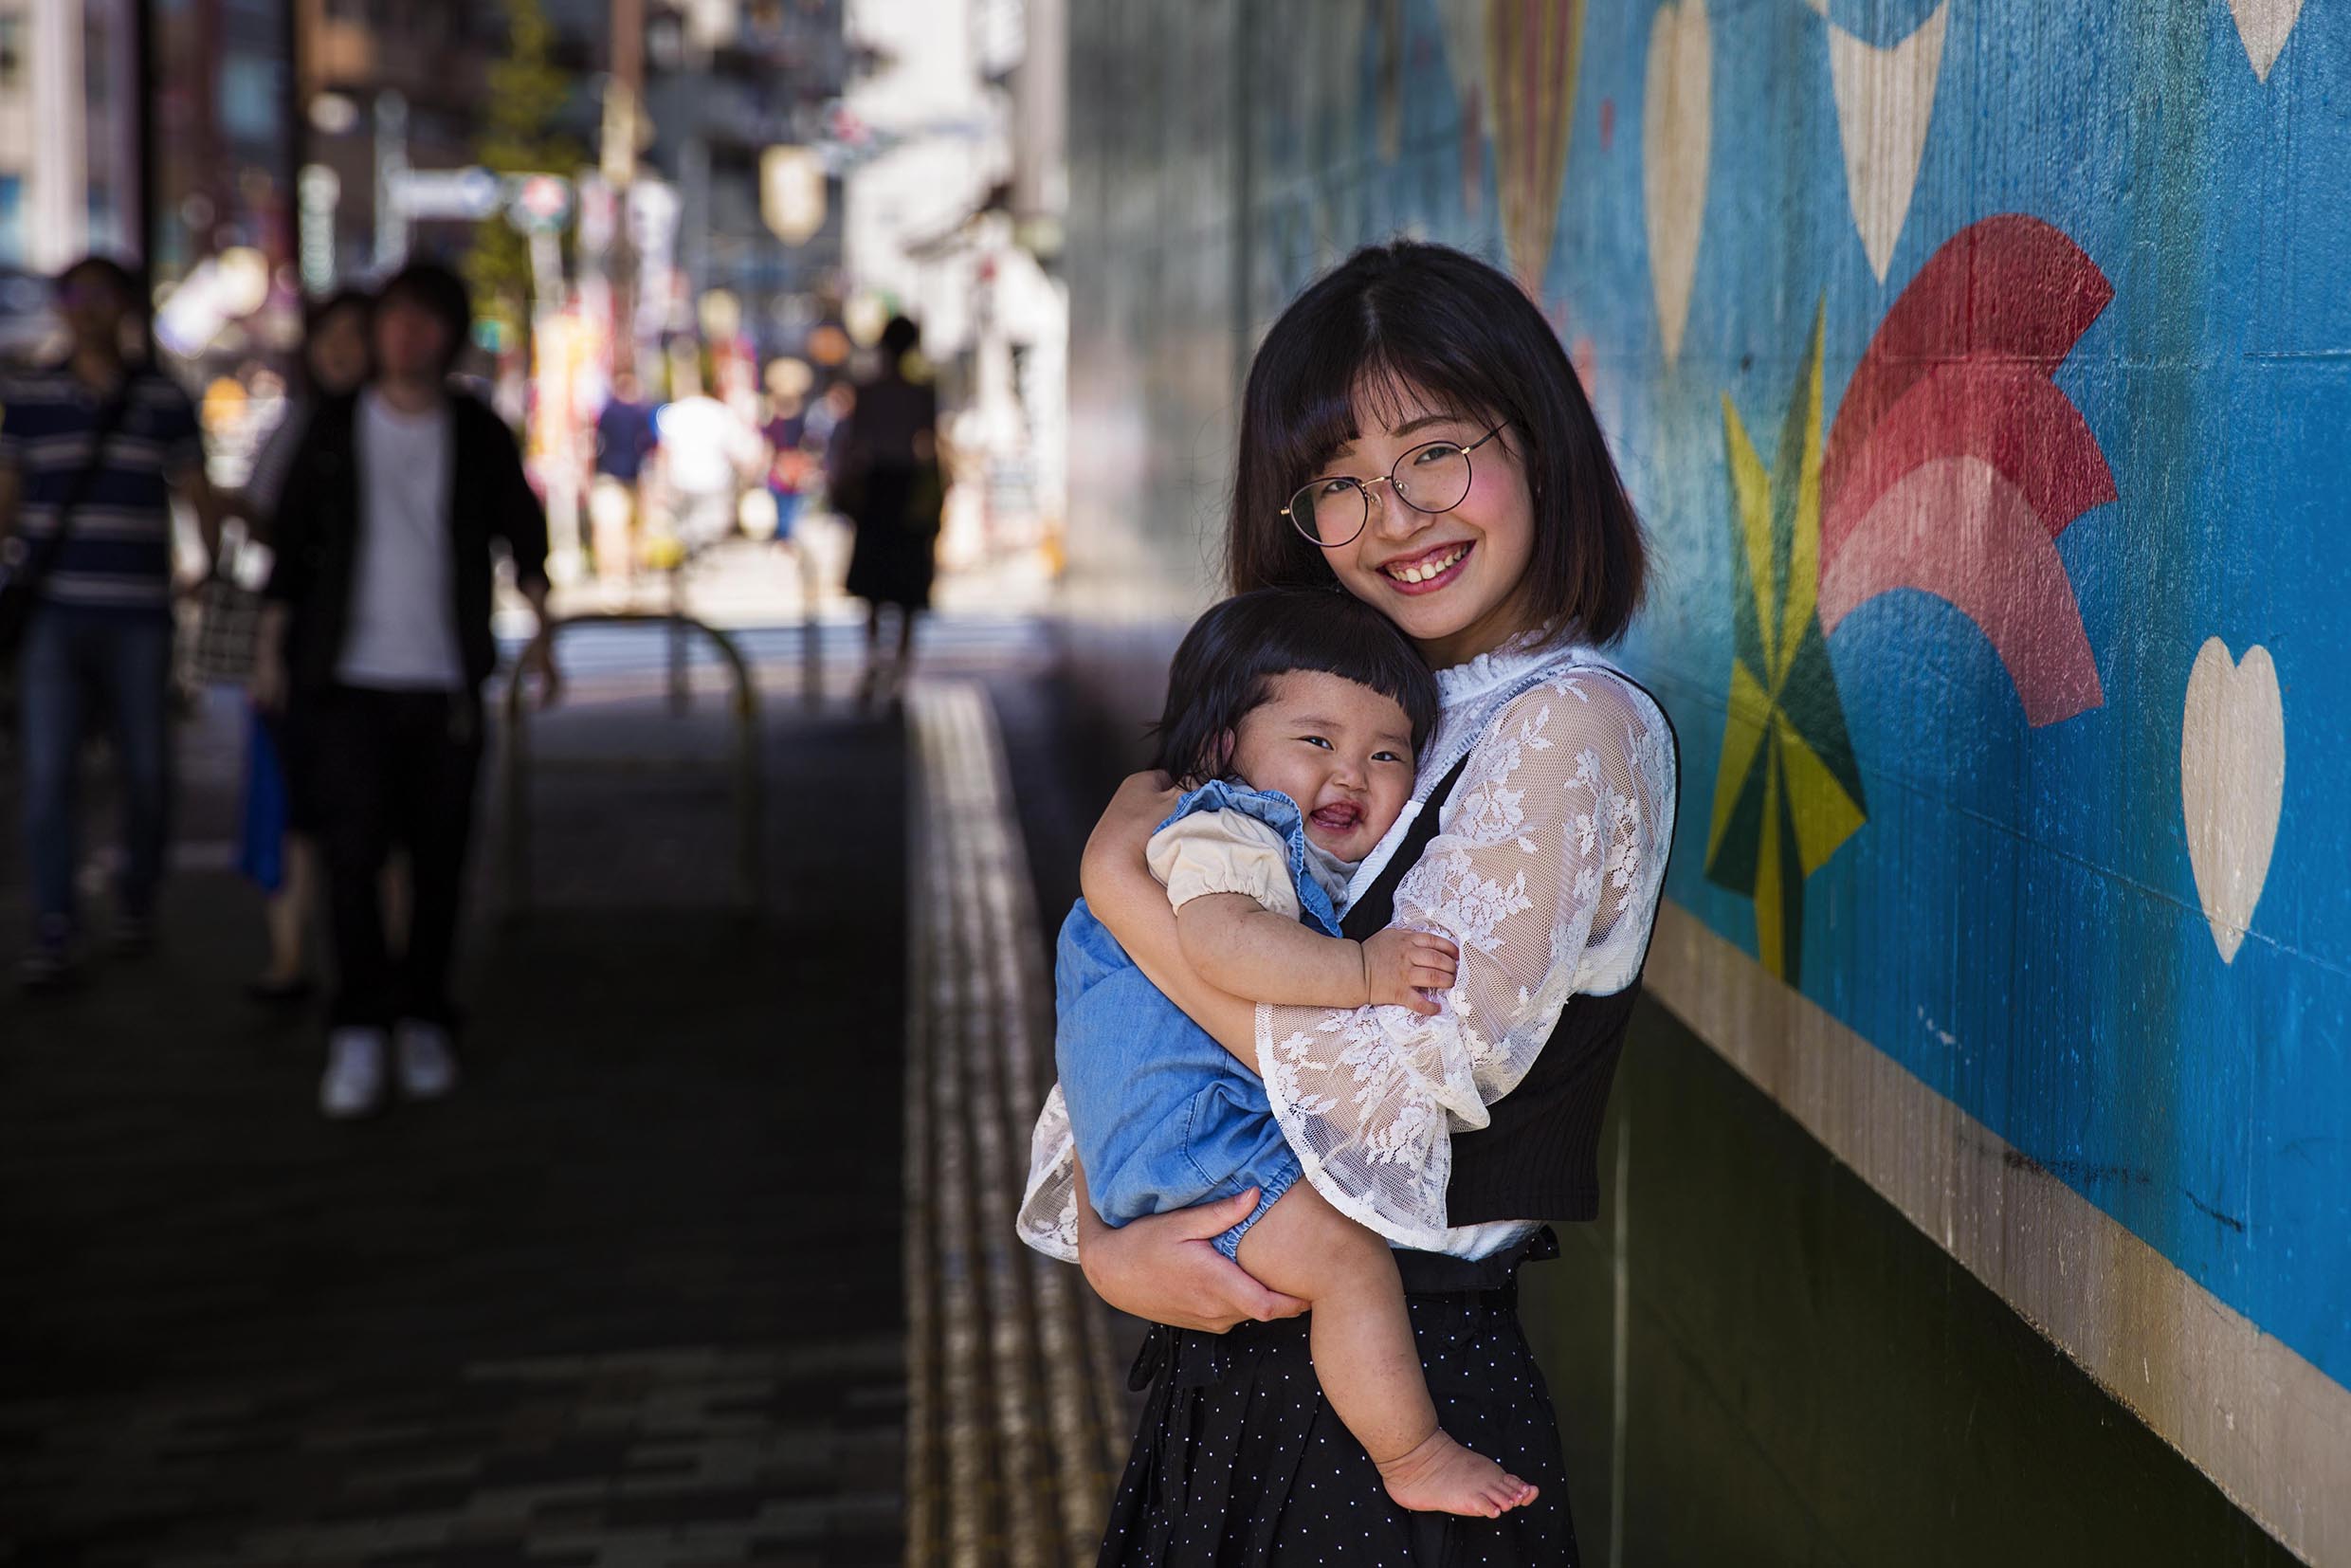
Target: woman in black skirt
{"points": [[1412, 432], [889, 483]]}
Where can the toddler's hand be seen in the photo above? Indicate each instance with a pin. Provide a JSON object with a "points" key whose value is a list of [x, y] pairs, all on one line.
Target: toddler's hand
{"points": [[1400, 966]]}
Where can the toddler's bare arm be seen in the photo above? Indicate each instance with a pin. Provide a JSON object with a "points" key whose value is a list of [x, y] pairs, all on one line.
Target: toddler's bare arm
{"points": [[1239, 945]]}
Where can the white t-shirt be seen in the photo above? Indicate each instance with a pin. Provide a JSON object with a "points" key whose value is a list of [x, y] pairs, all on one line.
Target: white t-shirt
{"points": [[403, 630], [705, 445]]}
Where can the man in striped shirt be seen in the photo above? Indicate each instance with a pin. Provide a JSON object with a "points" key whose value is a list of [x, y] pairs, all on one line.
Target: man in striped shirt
{"points": [[100, 634]]}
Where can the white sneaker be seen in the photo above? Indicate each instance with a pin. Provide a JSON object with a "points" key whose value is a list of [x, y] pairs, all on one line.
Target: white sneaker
{"points": [[353, 1084], [428, 1063]]}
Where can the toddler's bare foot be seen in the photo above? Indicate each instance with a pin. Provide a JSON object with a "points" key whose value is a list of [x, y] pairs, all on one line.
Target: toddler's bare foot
{"points": [[1438, 1475]]}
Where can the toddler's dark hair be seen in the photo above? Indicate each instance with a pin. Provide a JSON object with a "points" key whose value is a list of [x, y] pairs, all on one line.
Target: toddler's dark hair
{"points": [[1230, 657]]}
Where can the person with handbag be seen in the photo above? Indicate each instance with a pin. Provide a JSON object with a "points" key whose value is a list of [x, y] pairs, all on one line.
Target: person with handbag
{"points": [[92, 448], [891, 483], [277, 848], [377, 641]]}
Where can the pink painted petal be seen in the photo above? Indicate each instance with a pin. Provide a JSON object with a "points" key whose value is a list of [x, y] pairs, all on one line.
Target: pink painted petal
{"points": [[2006, 288], [2001, 411], [1956, 528]]}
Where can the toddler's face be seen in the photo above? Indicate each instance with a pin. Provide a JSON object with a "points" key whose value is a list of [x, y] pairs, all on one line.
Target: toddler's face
{"points": [[1342, 751]]}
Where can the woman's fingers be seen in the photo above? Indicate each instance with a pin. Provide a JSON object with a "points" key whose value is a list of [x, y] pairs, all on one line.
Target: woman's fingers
{"points": [[1203, 1221]]}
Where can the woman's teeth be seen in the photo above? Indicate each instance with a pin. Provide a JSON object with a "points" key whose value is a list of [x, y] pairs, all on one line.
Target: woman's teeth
{"points": [[1432, 566]]}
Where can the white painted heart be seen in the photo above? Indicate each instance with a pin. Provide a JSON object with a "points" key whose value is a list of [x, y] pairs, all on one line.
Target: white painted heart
{"points": [[2265, 26], [2231, 783], [1884, 100], [1677, 128]]}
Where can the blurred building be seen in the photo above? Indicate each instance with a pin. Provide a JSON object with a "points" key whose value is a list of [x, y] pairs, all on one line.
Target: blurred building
{"points": [[952, 140], [738, 94], [69, 130], [389, 86]]}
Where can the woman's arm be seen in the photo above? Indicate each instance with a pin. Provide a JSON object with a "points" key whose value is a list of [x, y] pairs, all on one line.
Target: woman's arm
{"points": [[1164, 1269], [1557, 832], [1127, 898]]}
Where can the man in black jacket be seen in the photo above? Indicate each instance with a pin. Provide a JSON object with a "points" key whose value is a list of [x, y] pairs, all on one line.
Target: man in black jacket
{"points": [[377, 638]]}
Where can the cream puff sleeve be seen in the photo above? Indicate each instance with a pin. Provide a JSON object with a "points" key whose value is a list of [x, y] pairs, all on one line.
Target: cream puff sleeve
{"points": [[1224, 852]]}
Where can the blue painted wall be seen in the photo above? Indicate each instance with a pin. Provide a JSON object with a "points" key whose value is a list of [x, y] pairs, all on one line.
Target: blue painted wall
{"points": [[2005, 901]]}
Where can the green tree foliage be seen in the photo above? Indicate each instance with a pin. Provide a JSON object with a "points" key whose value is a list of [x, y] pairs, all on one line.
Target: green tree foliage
{"points": [[527, 92]]}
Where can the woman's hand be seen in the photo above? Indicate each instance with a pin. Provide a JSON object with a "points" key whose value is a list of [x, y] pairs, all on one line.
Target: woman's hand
{"points": [[1162, 1267]]}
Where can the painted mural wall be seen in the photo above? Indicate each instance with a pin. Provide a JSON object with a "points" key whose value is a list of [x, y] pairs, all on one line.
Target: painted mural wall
{"points": [[1983, 373]]}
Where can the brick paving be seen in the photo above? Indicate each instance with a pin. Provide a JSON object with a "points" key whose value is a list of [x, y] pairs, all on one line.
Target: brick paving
{"points": [[633, 1296]]}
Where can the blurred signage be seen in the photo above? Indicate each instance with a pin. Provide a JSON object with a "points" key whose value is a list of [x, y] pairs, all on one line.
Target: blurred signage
{"points": [[463, 195], [540, 202], [792, 192], [651, 216], [599, 213], [317, 190]]}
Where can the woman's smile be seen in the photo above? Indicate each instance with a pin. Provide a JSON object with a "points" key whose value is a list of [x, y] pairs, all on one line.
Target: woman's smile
{"points": [[1438, 567]]}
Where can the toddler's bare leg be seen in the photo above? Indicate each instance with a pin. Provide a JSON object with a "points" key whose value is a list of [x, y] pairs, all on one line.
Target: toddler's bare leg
{"points": [[1364, 1355]]}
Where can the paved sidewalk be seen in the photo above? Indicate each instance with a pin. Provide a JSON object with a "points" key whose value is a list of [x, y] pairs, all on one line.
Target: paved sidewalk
{"points": [[634, 1296]]}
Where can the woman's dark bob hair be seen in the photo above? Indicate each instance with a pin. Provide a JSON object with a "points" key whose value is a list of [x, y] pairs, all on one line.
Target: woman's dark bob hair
{"points": [[1230, 656], [1404, 320], [318, 313]]}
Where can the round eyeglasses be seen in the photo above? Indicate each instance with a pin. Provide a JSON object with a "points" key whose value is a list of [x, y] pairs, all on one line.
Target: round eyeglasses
{"points": [[1430, 478]]}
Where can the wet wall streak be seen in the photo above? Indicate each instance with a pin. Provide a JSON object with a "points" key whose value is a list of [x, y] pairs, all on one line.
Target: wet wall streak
{"points": [[2051, 807]]}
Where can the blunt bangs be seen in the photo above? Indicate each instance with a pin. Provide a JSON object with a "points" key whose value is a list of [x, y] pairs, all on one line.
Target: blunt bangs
{"points": [[1400, 326], [1230, 658]]}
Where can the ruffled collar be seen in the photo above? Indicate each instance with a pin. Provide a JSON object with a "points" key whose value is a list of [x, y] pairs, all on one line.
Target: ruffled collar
{"points": [[1505, 665]]}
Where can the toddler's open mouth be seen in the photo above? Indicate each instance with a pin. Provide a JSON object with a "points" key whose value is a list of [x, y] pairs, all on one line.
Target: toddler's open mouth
{"points": [[1339, 816]]}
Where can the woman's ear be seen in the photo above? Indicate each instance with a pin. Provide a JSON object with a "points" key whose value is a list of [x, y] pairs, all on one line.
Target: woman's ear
{"points": [[1226, 746]]}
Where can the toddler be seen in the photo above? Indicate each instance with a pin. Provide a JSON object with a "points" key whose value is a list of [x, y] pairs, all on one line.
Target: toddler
{"points": [[1292, 718]]}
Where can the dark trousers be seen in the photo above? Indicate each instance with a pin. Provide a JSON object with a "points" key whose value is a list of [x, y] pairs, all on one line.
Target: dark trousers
{"points": [[386, 769], [75, 660]]}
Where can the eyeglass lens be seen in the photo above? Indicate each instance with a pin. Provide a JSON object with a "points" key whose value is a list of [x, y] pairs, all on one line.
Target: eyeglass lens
{"points": [[1429, 479]]}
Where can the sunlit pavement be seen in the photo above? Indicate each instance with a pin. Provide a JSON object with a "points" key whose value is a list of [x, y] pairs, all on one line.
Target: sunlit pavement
{"points": [[644, 1290]]}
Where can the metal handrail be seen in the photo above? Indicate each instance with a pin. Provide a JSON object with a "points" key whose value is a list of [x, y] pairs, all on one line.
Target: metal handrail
{"points": [[748, 797]]}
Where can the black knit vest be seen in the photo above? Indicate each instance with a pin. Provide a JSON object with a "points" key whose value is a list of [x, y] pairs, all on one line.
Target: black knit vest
{"points": [[1539, 1157]]}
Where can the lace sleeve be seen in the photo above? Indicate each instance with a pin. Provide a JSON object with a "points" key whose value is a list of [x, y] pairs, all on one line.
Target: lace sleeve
{"points": [[1048, 1207], [1547, 872]]}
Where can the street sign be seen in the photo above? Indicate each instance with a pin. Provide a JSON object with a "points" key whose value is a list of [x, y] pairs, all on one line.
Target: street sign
{"points": [[461, 194], [540, 202]]}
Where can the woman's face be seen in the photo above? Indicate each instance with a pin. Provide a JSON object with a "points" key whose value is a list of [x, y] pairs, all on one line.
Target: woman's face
{"points": [[337, 351], [1452, 581]]}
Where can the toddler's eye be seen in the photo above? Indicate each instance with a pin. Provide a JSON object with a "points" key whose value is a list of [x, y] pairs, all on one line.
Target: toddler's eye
{"points": [[1315, 740], [1390, 757]]}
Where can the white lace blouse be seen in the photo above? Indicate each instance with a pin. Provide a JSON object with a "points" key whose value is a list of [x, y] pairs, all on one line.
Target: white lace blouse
{"points": [[1546, 869]]}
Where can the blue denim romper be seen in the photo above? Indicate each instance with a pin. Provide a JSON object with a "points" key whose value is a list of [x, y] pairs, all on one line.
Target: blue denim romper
{"points": [[1163, 1116]]}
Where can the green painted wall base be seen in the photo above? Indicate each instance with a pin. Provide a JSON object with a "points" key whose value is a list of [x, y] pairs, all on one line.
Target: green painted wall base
{"points": [[1807, 1379]]}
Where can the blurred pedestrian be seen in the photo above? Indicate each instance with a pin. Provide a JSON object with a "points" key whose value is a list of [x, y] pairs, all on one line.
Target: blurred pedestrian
{"points": [[91, 449], [890, 485], [281, 850], [378, 634], [790, 469], [626, 438], [707, 450]]}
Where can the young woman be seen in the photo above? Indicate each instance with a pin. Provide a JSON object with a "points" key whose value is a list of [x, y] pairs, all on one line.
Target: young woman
{"points": [[889, 481], [334, 362], [1412, 430]]}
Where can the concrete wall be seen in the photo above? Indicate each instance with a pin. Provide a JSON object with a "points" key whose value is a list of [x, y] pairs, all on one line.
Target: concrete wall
{"points": [[1980, 374]]}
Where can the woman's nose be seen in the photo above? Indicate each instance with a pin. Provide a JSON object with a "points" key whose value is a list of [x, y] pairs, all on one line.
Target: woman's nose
{"points": [[1392, 516]]}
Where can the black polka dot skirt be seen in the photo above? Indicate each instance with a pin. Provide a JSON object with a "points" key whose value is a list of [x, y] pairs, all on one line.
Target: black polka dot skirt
{"points": [[1239, 1461]]}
